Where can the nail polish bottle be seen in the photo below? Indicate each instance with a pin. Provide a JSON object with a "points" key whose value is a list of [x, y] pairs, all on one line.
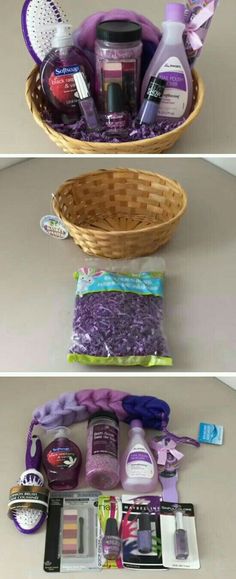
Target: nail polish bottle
{"points": [[117, 120], [86, 102], [144, 534], [152, 98], [181, 538], [111, 542]]}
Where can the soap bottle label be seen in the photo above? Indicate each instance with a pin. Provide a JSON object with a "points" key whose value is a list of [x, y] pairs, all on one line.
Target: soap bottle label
{"points": [[175, 99], [139, 463], [62, 84], [62, 458]]}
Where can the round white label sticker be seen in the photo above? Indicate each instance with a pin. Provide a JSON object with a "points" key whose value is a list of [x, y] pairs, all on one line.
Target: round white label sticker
{"points": [[53, 226]]}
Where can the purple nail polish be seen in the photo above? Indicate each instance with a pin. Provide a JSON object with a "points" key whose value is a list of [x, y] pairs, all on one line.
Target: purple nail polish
{"points": [[86, 102], [144, 534], [181, 538], [152, 98], [111, 542]]}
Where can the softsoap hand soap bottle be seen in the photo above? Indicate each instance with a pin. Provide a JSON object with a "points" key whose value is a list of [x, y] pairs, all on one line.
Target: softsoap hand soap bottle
{"points": [[170, 63], [58, 70], [138, 465], [62, 461]]}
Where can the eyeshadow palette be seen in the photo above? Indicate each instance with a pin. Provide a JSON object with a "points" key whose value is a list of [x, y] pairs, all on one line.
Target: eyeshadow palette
{"points": [[71, 536]]}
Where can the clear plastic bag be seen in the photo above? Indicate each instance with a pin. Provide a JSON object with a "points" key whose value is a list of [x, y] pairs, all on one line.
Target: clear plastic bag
{"points": [[119, 313]]}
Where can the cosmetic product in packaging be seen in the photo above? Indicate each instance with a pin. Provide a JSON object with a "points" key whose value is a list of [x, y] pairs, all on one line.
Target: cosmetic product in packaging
{"points": [[141, 535], [178, 535], [109, 532], [62, 461], [71, 537], [144, 534], [102, 460], [86, 102], [138, 466], [181, 538], [211, 433], [111, 542], [117, 120], [152, 98], [199, 16], [58, 70], [118, 50], [170, 63]]}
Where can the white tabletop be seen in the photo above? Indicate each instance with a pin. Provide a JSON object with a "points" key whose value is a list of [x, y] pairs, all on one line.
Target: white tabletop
{"points": [[212, 132], [37, 289], [206, 478]]}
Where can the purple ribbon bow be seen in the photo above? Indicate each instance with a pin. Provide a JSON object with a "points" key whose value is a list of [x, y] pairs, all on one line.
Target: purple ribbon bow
{"points": [[196, 23], [163, 449]]}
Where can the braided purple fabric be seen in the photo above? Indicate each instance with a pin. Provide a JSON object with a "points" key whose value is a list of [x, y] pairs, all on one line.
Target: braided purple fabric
{"points": [[74, 407], [103, 399]]}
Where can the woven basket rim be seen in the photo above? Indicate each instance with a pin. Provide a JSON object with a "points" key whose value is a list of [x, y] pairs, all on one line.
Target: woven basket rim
{"points": [[125, 145], [150, 228]]}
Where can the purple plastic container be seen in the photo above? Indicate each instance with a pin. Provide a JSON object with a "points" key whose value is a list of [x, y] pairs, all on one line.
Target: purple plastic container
{"points": [[118, 50], [62, 462], [170, 63], [58, 70]]}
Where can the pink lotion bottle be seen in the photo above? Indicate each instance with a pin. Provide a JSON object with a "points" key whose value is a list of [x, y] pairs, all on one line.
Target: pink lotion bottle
{"points": [[170, 63], [138, 466], [62, 461]]}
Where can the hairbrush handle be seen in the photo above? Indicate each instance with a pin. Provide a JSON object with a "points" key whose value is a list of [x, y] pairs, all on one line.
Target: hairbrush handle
{"points": [[33, 455], [169, 486]]}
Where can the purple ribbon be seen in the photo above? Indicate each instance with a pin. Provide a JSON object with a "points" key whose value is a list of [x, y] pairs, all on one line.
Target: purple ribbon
{"points": [[196, 23], [164, 449]]}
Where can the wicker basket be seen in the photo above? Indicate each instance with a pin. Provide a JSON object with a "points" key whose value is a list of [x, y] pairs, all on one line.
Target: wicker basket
{"points": [[36, 103], [120, 213]]}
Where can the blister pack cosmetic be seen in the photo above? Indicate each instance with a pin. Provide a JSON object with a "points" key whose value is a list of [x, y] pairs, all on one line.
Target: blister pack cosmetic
{"points": [[118, 317], [179, 537], [109, 532], [71, 538], [141, 535]]}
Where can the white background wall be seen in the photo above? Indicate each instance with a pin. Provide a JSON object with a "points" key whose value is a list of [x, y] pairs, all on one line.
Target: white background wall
{"points": [[228, 164], [229, 381], [7, 162]]}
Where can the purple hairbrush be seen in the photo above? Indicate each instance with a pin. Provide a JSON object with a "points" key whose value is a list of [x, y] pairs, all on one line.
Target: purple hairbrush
{"points": [[38, 21], [28, 501]]}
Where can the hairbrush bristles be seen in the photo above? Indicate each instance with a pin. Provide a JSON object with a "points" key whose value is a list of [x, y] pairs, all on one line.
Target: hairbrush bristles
{"points": [[38, 21], [28, 508]]}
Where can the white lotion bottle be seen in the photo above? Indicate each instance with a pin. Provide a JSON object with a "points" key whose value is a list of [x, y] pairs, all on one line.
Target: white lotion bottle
{"points": [[170, 63], [138, 466]]}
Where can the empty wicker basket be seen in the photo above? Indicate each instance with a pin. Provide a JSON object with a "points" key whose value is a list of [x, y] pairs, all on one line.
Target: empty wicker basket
{"points": [[120, 213], [36, 102]]}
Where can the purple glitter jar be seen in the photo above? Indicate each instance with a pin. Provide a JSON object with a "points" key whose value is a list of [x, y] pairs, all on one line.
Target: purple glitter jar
{"points": [[118, 50], [102, 460]]}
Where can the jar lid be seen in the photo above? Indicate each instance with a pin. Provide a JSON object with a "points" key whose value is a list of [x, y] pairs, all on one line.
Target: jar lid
{"points": [[104, 414], [119, 31]]}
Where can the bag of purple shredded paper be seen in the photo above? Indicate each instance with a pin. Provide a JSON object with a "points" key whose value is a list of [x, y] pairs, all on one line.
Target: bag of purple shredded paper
{"points": [[118, 316]]}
